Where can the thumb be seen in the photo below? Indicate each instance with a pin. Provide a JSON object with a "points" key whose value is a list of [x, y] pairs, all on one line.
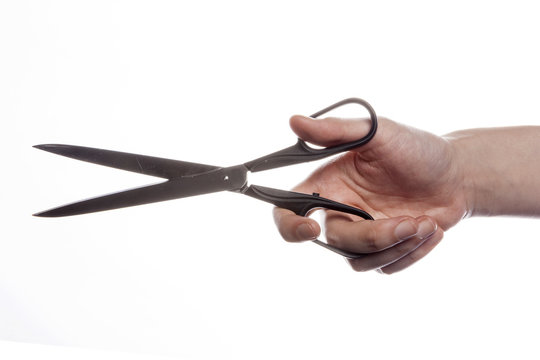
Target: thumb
{"points": [[329, 131]]}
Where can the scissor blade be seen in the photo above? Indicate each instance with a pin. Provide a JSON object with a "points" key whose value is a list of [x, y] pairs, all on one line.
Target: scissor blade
{"points": [[222, 179], [142, 164]]}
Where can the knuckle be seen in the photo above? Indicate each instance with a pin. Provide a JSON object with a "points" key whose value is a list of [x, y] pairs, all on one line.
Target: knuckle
{"points": [[370, 239], [332, 238]]}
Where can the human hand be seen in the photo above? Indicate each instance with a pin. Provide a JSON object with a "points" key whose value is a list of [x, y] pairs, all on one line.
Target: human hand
{"points": [[407, 179]]}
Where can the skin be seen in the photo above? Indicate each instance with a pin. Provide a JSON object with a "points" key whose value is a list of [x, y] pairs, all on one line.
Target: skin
{"points": [[415, 184]]}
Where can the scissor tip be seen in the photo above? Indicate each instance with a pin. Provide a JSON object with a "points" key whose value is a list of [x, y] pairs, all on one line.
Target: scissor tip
{"points": [[66, 210], [55, 212], [47, 213], [45, 146], [55, 148], [40, 214]]}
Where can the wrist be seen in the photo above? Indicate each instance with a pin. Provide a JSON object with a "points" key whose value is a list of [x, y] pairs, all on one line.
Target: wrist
{"points": [[473, 172], [499, 170]]}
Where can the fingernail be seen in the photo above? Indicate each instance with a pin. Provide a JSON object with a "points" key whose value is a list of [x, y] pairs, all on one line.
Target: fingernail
{"points": [[405, 230], [305, 232], [426, 228]]}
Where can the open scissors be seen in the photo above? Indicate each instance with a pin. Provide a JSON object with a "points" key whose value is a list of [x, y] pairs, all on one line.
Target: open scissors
{"points": [[189, 179]]}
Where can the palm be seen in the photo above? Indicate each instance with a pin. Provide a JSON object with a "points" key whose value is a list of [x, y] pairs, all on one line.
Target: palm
{"points": [[408, 174]]}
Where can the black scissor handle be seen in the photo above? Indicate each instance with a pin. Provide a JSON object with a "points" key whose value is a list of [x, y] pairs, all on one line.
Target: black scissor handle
{"points": [[351, 145], [302, 204], [302, 152]]}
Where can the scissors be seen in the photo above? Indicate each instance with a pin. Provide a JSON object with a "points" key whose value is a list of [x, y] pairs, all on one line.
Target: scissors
{"points": [[185, 179]]}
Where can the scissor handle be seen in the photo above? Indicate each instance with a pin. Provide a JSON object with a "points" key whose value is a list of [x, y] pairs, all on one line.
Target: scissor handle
{"points": [[302, 204], [302, 152]]}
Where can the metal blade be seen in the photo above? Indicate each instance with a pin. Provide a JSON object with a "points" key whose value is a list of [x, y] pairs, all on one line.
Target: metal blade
{"points": [[232, 178], [142, 164]]}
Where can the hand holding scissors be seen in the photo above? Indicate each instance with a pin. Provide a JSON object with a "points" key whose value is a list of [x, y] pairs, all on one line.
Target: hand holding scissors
{"points": [[185, 179], [409, 180]]}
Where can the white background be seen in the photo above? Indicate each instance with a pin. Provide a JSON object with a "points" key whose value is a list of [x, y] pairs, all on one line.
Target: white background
{"points": [[215, 82]]}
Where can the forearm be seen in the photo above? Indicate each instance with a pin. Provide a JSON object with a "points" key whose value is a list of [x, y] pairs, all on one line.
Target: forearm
{"points": [[499, 169]]}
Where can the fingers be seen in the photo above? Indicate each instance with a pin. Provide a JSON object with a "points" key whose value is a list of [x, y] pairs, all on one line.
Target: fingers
{"points": [[391, 244], [378, 260], [374, 236], [293, 227], [409, 259], [329, 131], [400, 256]]}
